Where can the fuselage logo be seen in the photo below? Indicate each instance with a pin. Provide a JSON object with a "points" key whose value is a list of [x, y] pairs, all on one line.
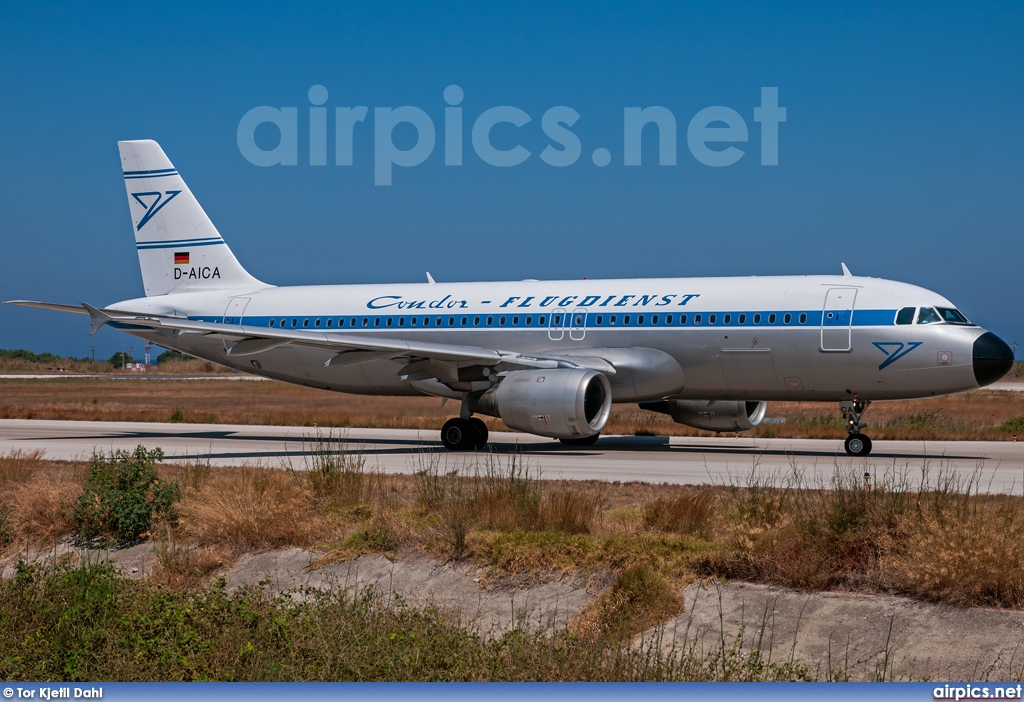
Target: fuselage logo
{"points": [[894, 350], [152, 203]]}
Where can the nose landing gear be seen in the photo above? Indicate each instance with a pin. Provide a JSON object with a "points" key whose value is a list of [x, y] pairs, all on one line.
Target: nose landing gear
{"points": [[856, 444]]}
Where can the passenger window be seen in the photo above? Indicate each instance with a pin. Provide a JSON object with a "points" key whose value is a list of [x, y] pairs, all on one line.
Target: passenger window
{"points": [[905, 316], [788, 318], [426, 321], [490, 320], [599, 320], [743, 319], [316, 323], [640, 320], [464, 321], [501, 321], [305, 322], [612, 319], [696, 319], [757, 319], [557, 319], [727, 319], [476, 321], [803, 318], [365, 321], [928, 316], [668, 319], [330, 321], [682, 319], [529, 321], [654, 319], [625, 319], [771, 318], [295, 322], [376, 321], [272, 322], [712, 319], [541, 319], [412, 321], [401, 321]]}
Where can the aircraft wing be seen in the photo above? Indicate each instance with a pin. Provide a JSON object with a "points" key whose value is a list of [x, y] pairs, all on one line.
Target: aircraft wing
{"points": [[426, 359]]}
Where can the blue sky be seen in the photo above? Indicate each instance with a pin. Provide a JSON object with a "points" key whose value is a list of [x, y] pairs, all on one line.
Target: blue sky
{"points": [[901, 153]]}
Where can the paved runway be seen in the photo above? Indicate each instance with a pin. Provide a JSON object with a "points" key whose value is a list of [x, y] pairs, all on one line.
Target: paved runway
{"points": [[995, 466]]}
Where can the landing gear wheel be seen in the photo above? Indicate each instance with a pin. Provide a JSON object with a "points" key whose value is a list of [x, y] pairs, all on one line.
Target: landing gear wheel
{"points": [[858, 445], [585, 441], [458, 434], [481, 432]]}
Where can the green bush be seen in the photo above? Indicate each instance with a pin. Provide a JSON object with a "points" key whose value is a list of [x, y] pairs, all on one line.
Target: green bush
{"points": [[172, 356], [120, 359], [23, 355], [122, 495]]}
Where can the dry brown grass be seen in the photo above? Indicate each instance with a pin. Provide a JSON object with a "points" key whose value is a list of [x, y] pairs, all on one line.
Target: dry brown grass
{"points": [[967, 560], [19, 467], [35, 497], [689, 512], [945, 543], [247, 509], [640, 599]]}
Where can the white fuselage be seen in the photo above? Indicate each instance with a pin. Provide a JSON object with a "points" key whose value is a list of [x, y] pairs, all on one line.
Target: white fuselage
{"points": [[821, 338]]}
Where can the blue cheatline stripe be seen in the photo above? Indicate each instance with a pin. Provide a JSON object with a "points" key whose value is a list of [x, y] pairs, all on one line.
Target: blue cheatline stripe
{"points": [[153, 170], [179, 241], [181, 245], [154, 175], [542, 320]]}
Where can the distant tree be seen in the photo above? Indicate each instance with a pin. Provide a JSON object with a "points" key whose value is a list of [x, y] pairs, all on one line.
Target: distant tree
{"points": [[120, 359], [172, 356], [23, 355]]}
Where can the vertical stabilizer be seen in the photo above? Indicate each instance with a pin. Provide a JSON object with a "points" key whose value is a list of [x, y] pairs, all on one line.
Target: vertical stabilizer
{"points": [[179, 248]]}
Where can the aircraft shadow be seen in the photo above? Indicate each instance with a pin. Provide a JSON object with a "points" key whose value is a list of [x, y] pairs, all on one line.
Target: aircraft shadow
{"points": [[307, 445]]}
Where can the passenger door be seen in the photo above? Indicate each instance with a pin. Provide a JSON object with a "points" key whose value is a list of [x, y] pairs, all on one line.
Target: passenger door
{"points": [[837, 319]]}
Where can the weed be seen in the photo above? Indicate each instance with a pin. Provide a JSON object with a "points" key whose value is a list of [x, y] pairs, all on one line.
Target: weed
{"points": [[686, 513], [334, 472], [121, 496]]}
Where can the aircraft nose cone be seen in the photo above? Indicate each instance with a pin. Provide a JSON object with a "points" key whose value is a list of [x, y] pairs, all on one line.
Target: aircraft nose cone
{"points": [[992, 358]]}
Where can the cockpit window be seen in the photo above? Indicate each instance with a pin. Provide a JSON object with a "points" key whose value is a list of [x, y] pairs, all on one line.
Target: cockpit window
{"points": [[928, 316], [905, 315], [952, 316]]}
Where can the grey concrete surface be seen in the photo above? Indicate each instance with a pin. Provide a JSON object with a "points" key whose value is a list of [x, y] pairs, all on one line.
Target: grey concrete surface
{"points": [[994, 466]]}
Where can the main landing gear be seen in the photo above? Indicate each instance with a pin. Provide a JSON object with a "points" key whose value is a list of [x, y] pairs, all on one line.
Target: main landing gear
{"points": [[464, 434], [857, 444]]}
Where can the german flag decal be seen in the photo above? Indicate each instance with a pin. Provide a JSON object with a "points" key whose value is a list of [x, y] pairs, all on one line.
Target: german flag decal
{"points": [[181, 258]]}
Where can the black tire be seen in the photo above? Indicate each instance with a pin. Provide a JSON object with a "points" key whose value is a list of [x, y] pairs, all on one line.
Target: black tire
{"points": [[481, 432], [458, 434], [857, 445], [584, 441]]}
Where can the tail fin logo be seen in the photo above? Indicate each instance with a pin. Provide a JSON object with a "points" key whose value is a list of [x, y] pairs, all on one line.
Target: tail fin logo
{"points": [[152, 203], [894, 350]]}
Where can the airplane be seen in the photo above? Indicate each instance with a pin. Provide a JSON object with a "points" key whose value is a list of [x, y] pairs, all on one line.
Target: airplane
{"points": [[547, 357]]}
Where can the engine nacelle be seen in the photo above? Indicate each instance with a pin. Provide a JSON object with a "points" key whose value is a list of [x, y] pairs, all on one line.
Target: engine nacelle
{"points": [[566, 403], [712, 415]]}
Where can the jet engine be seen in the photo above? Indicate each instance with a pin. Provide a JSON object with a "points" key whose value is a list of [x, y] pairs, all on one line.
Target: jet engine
{"points": [[566, 403], [712, 415]]}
